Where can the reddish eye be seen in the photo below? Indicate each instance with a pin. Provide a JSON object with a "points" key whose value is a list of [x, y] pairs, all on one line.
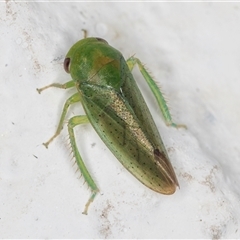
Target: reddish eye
{"points": [[66, 64]]}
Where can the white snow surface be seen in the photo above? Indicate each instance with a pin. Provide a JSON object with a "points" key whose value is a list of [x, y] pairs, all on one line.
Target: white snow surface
{"points": [[193, 52]]}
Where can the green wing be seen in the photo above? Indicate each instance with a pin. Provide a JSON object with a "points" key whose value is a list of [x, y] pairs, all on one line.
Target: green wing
{"points": [[119, 123]]}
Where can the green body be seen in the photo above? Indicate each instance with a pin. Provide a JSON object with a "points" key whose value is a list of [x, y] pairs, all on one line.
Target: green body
{"points": [[116, 109]]}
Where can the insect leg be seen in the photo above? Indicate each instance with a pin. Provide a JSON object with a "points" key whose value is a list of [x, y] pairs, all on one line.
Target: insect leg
{"points": [[74, 121], [58, 85], [131, 62], [84, 33], [73, 99]]}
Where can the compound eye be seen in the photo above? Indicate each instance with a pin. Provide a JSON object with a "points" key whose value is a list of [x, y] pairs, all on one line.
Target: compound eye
{"points": [[102, 40], [66, 64]]}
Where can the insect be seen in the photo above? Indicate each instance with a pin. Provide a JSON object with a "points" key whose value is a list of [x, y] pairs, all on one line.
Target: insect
{"points": [[117, 111]]}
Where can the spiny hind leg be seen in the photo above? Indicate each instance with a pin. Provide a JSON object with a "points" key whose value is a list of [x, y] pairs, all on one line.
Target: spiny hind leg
{"points": [[131, 62], [73, 122]]}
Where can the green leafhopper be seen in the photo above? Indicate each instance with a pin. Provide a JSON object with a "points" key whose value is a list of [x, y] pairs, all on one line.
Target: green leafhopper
{"points": [[117, 111]]}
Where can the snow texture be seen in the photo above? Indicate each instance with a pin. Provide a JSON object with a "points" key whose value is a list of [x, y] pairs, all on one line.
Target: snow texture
{"points": [[193, 52]]}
